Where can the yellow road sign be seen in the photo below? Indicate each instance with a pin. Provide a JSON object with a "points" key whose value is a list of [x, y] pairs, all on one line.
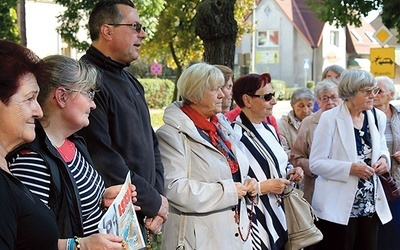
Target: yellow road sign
{"points": [[383, 35], [382, 62]]}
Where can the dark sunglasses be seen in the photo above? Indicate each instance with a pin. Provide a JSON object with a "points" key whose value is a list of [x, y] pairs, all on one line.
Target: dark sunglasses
{"points": [[136, 26], [266, 97]]}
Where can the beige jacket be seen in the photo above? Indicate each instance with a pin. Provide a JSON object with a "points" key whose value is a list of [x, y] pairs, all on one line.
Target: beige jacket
{"points": [[288, 129], [206, 200], [300, 153]]}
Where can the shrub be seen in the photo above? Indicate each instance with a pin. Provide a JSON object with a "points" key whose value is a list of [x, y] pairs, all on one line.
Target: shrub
{"points": [[310, 85], [159, 92], [279, 88]]}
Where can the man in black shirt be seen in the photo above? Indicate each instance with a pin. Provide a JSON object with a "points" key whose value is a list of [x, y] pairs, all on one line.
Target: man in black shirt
{"points": [[120, 137]]}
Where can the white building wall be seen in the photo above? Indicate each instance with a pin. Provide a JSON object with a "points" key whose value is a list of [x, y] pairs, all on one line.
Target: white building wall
{"points": [[41, 34]]}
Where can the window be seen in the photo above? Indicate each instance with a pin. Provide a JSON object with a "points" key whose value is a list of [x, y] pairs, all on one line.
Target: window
{"points": [[268, 38], [334, 38]]}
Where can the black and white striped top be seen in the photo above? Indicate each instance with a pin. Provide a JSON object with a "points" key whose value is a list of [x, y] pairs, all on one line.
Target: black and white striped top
{"points": [[30, 168]]}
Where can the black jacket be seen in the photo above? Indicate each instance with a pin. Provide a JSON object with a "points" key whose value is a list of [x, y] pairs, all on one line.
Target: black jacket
{"points": [[64, 198], [120, 137]]}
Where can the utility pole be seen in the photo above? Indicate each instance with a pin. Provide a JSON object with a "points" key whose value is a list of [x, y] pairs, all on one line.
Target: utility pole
{"points": [[22, 21]]}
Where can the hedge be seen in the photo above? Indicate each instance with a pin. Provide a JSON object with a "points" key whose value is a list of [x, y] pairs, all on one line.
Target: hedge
{"points": [[159, 92]]}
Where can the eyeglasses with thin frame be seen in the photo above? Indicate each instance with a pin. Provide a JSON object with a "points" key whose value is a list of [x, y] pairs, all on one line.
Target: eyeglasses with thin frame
{"points": [[136, 26], [266, 97], [89, 93], [326, 98], [367, 92]]}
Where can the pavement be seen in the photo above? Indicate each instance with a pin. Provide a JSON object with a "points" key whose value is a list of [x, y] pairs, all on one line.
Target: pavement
{"points": [[281, 108]]}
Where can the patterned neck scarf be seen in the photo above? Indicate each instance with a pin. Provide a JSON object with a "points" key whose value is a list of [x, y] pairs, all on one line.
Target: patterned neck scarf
{"points": [[211, 129]]}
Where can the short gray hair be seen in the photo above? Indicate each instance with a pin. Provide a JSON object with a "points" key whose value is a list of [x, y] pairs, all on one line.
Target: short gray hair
{"points": [[63, 71], [353, 80], [335, 68], [388, 83], [301, 93], [198, 78], [324, 85]]}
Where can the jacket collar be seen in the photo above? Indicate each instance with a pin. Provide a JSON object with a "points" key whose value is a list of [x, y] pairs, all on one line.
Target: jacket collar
{"points": [[102, 61]]}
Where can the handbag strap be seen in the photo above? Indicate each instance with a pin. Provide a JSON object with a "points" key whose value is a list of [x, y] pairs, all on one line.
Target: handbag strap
{"points": [[264, 152], [182, 221]]}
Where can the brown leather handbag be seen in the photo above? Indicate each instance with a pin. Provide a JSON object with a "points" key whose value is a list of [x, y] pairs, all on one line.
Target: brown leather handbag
{"points": [[392, 190]]}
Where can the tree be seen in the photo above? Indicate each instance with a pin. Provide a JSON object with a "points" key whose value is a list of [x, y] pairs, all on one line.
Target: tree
{"points": [[8, 17], [349, 12], [175, 42], [217, 27]]}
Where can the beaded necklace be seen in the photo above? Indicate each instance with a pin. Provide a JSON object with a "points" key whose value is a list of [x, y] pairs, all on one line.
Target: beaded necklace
{"points": [[237, 220]]}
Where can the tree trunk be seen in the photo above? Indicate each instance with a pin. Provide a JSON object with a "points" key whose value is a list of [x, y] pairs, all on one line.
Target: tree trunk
{"points": [[217, 27]]}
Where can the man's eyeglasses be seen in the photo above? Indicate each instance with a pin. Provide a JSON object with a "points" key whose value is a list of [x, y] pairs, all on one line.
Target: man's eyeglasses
{"points": [[89, 93], [266, 97], [326, 98], [136, 26], [367, 92]]}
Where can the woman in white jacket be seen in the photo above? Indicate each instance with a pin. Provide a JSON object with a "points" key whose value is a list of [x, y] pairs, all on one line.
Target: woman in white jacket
{"points": [[205, 174], [348, 154]]}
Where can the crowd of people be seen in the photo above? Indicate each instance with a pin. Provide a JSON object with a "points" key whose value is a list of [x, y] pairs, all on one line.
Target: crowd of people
{"points": [[213, 175]]}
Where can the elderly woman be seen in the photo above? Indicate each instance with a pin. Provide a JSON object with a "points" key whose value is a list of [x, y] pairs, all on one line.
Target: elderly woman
{"points": [[302, 102], [26, 223], [253, 93], [389, 233], [205, 174], [348, 153], [326, 94], [56, 166], [333, 73]]}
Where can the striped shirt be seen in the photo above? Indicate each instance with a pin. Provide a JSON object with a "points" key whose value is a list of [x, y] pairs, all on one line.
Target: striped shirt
{"points": [[30, 168]]}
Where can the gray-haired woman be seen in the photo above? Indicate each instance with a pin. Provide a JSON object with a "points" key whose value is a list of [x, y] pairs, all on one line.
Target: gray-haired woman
{"points": [[348, 153], [389, 233], [326, 94], [302, 102]]}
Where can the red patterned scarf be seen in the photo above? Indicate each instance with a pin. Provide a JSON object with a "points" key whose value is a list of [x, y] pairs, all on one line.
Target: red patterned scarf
{"points": [[210, 128]]}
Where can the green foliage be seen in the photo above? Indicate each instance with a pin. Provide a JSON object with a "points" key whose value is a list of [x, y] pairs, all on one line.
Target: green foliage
{"points": [[156, 116], [279, 87], [159, 92], [8, 17], [310, 85], [174, 40], [349, 12], [289, 93], [243, 8]]}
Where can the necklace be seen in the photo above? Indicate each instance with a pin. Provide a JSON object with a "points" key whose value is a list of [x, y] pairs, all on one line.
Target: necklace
{"points": [[237, 220]]}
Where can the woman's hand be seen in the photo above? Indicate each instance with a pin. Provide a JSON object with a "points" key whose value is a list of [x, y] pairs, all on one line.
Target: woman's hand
{"points": [[252, 186], [396, 156], [101, 241], [380, 166], [154, 224], [361, 170], [111, 193], [296, 174], [241, 190], [273, 186]]}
